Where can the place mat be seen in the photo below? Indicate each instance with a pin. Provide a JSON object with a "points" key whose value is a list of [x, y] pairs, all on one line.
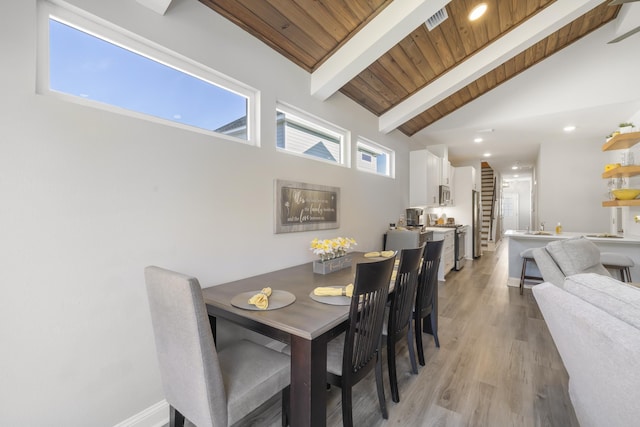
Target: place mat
{"points": [[331, 300], [278, 299]]}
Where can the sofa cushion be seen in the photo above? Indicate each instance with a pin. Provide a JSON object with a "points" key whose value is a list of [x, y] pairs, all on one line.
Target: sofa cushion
{"points": [[600, 354], [610, 295], [548, 267], [576, 255]]}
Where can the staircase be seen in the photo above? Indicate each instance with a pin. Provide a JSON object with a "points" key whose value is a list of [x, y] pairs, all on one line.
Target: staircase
{"points": [[488, 197]]}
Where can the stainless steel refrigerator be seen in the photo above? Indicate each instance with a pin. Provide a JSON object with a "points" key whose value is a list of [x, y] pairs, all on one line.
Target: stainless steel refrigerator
{"points": [[476, 223]]}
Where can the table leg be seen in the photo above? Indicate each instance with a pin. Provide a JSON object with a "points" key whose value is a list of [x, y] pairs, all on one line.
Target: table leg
{"points": [[308, 381]]}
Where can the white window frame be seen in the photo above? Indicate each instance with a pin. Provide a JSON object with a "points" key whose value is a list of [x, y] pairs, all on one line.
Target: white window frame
{"points": [[304, 119], [83, 21], [365, 144]]}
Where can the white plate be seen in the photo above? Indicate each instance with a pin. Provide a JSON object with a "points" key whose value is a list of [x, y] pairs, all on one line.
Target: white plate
{"points": [[278, 299]]}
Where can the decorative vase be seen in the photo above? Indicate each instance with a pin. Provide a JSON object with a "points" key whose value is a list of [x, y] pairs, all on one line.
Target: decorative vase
{"points": [[331, 265]]}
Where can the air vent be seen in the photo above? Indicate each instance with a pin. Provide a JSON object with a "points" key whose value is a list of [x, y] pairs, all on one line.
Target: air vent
{"points": [[438, 18]]}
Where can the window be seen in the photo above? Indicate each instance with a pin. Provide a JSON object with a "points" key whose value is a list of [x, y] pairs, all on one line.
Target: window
{"points": [[101, 66], [375, 158], [300, 133]]}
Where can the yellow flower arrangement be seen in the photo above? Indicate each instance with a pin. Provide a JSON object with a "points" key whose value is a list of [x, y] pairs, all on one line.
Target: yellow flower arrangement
{"points": [[332, 248]]}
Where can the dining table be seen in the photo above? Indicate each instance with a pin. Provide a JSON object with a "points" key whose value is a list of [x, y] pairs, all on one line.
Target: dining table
{"points": [[305, 324]]}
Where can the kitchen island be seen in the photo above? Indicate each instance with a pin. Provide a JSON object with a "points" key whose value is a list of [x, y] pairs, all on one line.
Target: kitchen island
{"points": [[521, 240]]}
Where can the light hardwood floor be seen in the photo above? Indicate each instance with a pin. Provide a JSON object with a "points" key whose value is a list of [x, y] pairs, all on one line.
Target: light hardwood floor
{"points": [[497, 364]]}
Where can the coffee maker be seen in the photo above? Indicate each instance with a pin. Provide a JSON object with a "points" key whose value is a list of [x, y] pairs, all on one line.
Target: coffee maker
{"points": [[413, 217]]}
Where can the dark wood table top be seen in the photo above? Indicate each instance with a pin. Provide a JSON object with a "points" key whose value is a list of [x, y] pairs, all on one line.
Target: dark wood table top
{"points": [[305, 318]]}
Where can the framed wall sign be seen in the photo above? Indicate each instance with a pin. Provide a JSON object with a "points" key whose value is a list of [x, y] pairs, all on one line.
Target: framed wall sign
{"points": [[304, 207]]}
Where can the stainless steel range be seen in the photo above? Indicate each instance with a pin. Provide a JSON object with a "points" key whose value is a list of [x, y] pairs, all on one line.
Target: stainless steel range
{"points": [[459, 243]]}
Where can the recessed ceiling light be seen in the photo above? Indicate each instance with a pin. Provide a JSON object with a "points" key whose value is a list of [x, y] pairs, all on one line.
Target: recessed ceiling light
{"points": [[477, 140], [477, 11], [514, 167], [487, 154], [516, 176], [569, 128]]}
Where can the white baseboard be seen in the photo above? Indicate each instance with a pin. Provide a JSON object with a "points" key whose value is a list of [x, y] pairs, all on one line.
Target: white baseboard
{"points": [[154, 416], [513, 281]]}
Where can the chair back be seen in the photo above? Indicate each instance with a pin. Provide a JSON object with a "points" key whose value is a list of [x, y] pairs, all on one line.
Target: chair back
{"points": [[404, 292], [187, 356], [428, 280], [366, 317]]}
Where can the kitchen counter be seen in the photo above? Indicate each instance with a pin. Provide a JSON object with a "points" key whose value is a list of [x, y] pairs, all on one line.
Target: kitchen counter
{"points": [[521, 240], [549, 236]]}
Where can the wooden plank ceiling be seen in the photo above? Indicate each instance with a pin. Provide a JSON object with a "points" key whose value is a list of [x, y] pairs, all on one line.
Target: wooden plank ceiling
{"points": [[308, 32]]}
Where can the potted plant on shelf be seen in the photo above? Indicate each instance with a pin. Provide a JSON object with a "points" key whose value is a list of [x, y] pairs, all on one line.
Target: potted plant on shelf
{"points": [[626, 127]]}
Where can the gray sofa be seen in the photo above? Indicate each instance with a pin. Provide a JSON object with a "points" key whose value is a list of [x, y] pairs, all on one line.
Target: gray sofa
{"points": [[595, 323], [562, 258]]}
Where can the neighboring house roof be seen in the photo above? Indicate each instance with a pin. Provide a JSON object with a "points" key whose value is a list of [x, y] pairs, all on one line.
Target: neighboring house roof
{"points": [[240, 123], [321, 151]]}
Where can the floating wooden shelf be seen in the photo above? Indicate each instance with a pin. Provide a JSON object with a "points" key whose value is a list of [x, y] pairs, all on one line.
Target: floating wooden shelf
{"points": [[622, 141], [614, 203], [622, 172]]}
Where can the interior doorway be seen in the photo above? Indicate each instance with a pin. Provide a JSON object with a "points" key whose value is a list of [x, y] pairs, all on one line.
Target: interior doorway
{"points": [[510, 211], [516, 204]]}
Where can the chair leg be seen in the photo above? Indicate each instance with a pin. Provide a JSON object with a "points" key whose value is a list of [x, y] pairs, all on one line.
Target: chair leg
{"points": [[176, 419], [524, 269], [418, 334], [412, 352], [433, 317], [286, 394], [627, 273], [391, 363], [380, 385], [347, 412]]}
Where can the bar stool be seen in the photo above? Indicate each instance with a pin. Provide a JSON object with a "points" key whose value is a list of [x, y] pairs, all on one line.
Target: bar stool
{"points": [[527, 257], [620, 262]]}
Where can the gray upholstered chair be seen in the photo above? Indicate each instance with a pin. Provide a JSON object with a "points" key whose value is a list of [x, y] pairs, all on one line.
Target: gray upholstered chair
{"points": [[207, 387], [561, 258]]}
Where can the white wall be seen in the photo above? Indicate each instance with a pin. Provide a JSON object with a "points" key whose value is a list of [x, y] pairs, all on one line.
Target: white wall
{"points": [[89, 198], [570, 188]]}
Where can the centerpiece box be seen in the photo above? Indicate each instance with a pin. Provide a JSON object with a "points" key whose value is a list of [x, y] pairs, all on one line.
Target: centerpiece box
{"points": [[331, 265], [333, 254]]}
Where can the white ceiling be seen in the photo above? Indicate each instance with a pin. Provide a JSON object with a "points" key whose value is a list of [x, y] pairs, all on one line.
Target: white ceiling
{"points": [[590, 84]]}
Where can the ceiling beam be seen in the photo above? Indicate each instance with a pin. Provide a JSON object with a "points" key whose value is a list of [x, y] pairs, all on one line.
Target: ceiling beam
{"points": [[384, 31], [536, 28], [158, 6], [627, 22]]}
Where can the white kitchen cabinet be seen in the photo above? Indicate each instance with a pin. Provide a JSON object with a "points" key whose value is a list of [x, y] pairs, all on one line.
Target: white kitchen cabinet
{"points": [[447, 259], [424, 178], [446, 173], [452, 184], [448, 253]]}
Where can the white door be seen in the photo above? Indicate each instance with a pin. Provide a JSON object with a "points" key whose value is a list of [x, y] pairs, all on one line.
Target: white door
{"points": [[510, 210]]}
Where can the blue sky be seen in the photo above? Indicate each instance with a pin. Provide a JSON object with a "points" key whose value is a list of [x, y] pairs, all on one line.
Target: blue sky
{"points": [[86, 66]]}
